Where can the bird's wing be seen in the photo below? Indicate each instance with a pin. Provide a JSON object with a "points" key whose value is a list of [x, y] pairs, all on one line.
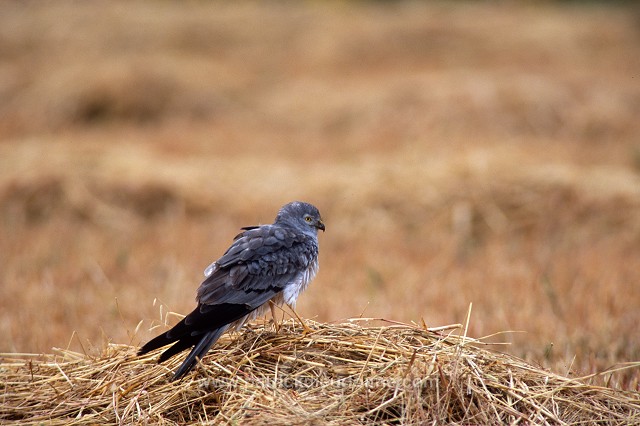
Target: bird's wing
{"points": [[209, 270], [260, 263]]}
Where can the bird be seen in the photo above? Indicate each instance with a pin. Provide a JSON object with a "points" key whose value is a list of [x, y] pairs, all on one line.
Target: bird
{"points": [[266, 265]]}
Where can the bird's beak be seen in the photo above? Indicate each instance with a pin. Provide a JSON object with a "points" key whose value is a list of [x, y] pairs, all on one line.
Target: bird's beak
{"points": [[320, 225]]}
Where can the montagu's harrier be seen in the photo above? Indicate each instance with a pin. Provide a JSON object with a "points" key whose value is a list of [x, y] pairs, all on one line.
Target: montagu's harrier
{"points": [[265, 264]]}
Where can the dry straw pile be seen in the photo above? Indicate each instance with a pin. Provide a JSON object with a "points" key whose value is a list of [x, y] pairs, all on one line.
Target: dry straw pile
{"points": [[349, 373]]}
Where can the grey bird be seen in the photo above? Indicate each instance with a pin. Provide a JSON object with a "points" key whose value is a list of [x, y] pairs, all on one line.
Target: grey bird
{"points": [[265, 265]]}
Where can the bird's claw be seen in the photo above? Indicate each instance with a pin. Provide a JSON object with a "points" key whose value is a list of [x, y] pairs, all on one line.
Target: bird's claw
{"points": [[305, 328]]}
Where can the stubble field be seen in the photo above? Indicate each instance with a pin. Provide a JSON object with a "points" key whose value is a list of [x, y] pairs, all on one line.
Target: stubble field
{"points": [[459, 153]]}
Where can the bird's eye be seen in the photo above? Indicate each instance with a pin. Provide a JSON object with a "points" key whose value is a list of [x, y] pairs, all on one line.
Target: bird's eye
{"points": [[308, 218]]}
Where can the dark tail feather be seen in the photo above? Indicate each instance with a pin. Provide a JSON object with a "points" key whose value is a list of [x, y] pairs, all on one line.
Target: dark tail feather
{"points": [[181, 345], [155, 343], [198, 352], [177, 333]]}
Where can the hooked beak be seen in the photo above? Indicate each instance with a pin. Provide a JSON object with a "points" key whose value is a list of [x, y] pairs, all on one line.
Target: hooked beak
{"points": [[320, 225]]}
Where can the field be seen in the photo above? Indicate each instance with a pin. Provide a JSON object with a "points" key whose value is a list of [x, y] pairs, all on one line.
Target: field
{"points": [[460, 153]]}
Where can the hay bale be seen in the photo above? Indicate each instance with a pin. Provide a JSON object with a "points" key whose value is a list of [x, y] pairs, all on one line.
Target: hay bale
{"points": [[349, 373]]}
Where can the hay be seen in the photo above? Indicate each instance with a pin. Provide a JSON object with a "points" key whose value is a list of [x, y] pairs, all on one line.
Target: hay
{"points": [[348, 373]]}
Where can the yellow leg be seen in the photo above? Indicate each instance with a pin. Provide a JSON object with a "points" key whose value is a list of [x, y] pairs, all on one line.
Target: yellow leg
{"points": [[273, 314], [302, 323]]}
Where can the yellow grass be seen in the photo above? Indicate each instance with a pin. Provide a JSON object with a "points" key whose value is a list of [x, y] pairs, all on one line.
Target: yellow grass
{"points": [[459, 153], [349, 373]]}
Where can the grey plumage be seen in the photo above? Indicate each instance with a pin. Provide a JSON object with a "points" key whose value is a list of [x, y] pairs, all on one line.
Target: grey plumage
{"points": [[265, 263]]}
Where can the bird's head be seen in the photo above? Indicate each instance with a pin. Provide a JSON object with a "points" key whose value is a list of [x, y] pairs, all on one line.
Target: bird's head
{"points": [[301, 215]]}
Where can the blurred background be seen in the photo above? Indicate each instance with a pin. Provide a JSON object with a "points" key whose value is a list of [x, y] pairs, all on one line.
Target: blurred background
{"points": [[459, 153]]}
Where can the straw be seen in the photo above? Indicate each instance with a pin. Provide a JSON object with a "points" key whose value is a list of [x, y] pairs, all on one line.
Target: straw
{"points": [[357, 372]]}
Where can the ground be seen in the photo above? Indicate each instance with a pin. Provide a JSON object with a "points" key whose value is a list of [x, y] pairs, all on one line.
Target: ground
{"points": [[460, 153]]}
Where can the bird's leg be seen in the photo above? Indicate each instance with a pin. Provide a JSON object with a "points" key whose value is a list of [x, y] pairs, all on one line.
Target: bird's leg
{"points": [[273, 314], [306, 328]]}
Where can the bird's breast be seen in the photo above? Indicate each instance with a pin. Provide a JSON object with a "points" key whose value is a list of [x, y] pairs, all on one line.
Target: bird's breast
{"points": [[297, 286]]}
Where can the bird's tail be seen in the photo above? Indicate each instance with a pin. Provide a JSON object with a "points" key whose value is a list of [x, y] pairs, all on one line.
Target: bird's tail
{"points": [[180, 334], [199, 351]]}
